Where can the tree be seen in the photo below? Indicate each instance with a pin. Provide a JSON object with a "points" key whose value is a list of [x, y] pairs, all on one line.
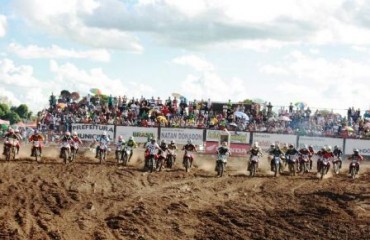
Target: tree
{"points": [[22, 111], [12, 117], [4, 109]]}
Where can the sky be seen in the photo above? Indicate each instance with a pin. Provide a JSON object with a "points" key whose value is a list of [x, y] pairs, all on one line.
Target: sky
{"points": [[316, 52]]}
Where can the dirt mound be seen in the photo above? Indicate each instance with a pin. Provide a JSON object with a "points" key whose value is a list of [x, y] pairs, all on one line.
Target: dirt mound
{"points": [[86, 200]]}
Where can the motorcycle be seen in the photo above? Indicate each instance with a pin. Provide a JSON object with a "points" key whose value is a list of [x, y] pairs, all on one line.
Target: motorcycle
{"points": [[253, 166], [152, 160], [119, 153], [127, 150], [325, 165], [221, 164], [74, 149], [170, 158], [36, 150], [304, 163], [292, 164], [354, 167], [336, 164], [65, 151], [103, 148], [186, 161], [276, 166], [10, 148], [161, 160]]}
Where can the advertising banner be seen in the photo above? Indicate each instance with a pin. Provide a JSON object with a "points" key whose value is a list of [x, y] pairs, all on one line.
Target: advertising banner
{"points": [[89, 132], [235, 137], [140, 134], [236, 149], [266, 139], [182, 135], [320, 142], [362, 145]]}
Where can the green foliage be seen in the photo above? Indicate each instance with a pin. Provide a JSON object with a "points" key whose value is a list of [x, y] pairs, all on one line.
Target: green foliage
{"points": [[14, 114], [12, 117], [248, 101], [22, 111]]}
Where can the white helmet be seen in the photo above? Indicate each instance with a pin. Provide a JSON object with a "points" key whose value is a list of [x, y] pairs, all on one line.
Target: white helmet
{"points": [[74, 133], [104, 133], [120, 138]]}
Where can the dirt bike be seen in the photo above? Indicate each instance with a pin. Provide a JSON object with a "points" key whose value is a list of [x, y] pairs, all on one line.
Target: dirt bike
{"points": [[119, 153], [276, 165], [354, 167], [304, 163], [103, 148], [170, 158], [186, 161], [74, 149], [336, 164], [65, 151], [161, 160], [292, 164], [10, 149], [253, 166], [325, 165], [152, 163], [36, 150], [127, 150], [221, 164]]}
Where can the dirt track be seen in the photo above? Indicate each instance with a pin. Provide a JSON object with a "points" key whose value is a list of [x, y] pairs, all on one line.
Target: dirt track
{"points": [[86, 200]]}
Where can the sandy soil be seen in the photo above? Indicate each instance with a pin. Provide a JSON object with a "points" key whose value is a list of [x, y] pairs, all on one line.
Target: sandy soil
{"points": [[86, 200]]}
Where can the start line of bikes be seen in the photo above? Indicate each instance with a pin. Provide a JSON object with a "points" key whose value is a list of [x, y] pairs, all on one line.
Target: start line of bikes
{"points": [[155, 161]]}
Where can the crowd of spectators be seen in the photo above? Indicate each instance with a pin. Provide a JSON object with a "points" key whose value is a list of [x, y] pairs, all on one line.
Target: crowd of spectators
{"points": [[179, 112]]}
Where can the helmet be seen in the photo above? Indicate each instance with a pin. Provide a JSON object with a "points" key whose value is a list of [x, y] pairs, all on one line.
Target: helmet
{"points": [[305, 146], [255, 145], [104, 133], [172, 142], [224, 143], [310, 146], [120, 138], [68, 133], [272, 146], [336, 147], [328, 148], [131, 138], [189, 141], [11, 130], [36, 132], [152, 140], [16, 130], [291, 146], [355, 150], [74, 133], [163, 141], [277, 146]]}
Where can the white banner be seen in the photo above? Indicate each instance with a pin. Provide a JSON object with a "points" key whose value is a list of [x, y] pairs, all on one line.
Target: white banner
{"points": [[235, 137], [182, 135], [362, 145], [140, 134], [89, 132], [266, 139], [319, 142]]}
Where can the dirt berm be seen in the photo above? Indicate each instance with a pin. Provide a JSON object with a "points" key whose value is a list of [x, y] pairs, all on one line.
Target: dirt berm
{"points": [[86, 200]]}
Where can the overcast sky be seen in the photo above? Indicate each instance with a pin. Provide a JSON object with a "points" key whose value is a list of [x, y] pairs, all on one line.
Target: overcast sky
{"points": [[283, 51]]}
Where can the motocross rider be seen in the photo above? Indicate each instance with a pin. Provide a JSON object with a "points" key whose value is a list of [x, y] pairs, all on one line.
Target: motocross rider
{"points": [[356, 156], [338, 155], [104, 138], [327, 155], [189, 147], [304, 151], [150, 148], [172, 146], [66, 138], [76, 139], [291, 151], [254, 151], [275, 152], [132, 144], [36, 137], [223, 150], [12, 134], [310, 155]]}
